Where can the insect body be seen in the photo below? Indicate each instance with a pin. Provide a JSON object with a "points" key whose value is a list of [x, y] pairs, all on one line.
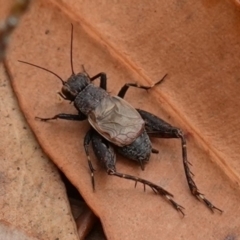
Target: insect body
{"points": [[111, 116], [118, 125]]}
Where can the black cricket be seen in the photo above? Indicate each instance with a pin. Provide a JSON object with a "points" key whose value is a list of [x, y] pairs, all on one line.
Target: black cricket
{"points": [[115, 124]]}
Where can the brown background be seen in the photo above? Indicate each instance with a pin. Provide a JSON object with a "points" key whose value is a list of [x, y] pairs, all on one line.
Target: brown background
{"points": [[198, 45]]}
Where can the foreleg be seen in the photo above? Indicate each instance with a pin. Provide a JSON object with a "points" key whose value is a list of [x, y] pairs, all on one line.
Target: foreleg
{"points": [[65, 116], [101, 75]]}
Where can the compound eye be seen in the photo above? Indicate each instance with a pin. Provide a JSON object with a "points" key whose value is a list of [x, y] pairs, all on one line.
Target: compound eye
{"points": [[70, 95]]}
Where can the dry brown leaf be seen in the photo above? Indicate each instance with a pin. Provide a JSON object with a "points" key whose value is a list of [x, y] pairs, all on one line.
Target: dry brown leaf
{"points": [[197, 44], [32, 196], [7, 232]]}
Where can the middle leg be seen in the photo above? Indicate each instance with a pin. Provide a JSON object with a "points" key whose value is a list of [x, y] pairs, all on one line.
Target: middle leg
{"points": [[124, 89]]}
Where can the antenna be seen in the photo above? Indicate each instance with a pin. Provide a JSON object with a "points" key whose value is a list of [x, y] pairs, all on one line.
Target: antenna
{"points": [[63, 82], [71, 51]]}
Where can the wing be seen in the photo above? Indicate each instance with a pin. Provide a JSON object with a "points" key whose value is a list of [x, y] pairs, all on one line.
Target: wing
{"points": [[117, 121]]}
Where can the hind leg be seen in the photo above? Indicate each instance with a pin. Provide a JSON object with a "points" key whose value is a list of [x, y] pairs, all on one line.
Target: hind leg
{"points": [[156, 127]]}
